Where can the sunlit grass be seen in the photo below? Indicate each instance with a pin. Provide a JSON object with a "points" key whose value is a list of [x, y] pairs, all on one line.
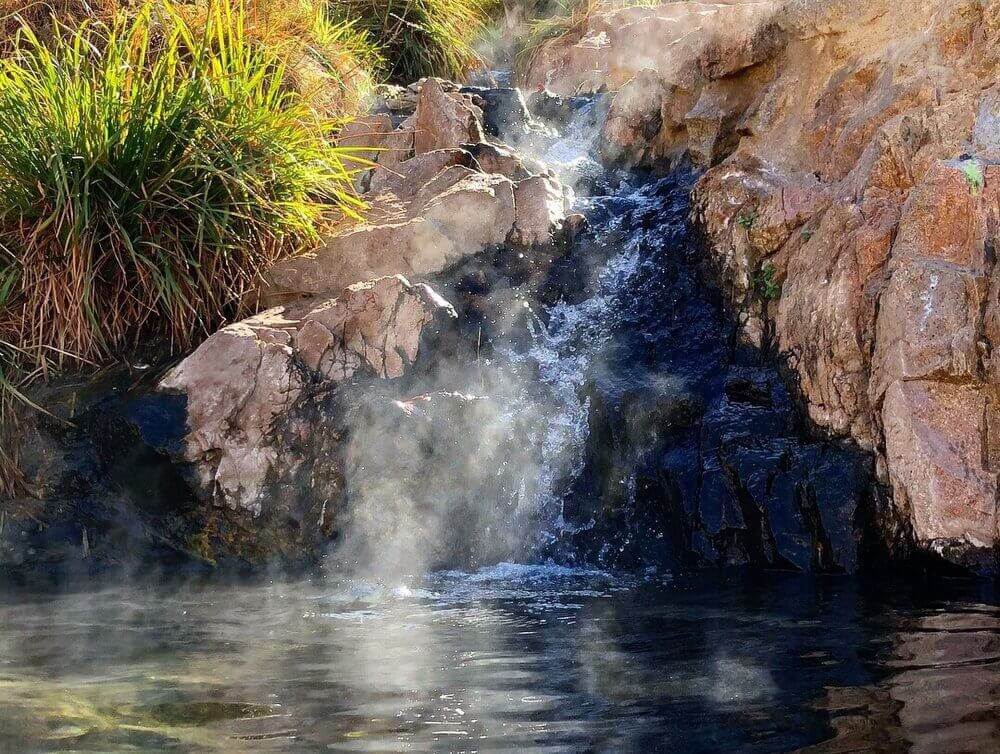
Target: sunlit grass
{"points": [[419, 37], [333, 63], [143, 190]]}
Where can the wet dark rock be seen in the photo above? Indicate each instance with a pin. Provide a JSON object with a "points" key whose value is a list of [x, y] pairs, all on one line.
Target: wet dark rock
{"points": [[696, 454], [555, 110], [112, 498], [505, 113]]}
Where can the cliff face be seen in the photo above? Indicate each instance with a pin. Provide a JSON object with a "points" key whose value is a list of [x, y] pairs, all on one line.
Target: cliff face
{"points": [[851, 206]]}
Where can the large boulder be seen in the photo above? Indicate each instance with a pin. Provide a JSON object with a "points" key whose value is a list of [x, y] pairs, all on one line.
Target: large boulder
{"points": [[472, 211], [244, 385]]}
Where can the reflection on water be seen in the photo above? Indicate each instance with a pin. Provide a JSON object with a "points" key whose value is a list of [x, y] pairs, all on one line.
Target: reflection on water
{"points": [[515, 658]]}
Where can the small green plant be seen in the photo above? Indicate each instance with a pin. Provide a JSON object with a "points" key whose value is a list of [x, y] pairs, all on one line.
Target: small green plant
{"points": [[746, 220], [807, 235], [973, 173], [767, 287]]}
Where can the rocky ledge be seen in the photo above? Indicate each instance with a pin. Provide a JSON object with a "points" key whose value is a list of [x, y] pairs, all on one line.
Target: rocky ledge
{"points": [[850, 207], [239, 453]]}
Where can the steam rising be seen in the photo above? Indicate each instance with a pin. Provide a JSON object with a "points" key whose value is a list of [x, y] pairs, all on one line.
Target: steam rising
{"points": [[467, 468]]}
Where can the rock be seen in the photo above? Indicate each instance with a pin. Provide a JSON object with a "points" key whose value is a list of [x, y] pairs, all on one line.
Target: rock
{"points": [[407, 178], [928, 326], [935, 436], [377, 141], [685, 42], [730, 50], [444, 120], [506, 162], [750, 211], [873, 200], [368, 135], [104, 495], [718, 117], [456, 214], [445, 195], [636, 127], [539, 209], [505, 112], [244, 382]]}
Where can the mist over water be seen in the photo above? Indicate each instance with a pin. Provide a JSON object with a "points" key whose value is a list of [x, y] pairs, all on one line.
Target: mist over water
{"points": [[487, 484], [512, 658]]}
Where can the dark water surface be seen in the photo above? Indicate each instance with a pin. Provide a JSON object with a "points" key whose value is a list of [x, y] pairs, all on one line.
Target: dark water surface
{"points": [[513, 658]]}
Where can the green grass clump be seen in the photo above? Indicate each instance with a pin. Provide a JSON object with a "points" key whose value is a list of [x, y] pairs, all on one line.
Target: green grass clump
{"points": [[149, 172], [419, 37], [766, 283], [333, 63]]}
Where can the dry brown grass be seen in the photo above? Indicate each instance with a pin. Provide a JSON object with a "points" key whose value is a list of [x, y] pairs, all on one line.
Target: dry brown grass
{"points": [[334, 64]]}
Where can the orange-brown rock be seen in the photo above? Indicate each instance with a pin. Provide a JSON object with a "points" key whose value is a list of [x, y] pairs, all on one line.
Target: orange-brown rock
{"points": [[684, 41], [852, 219], [935, 433], [444, 119]]}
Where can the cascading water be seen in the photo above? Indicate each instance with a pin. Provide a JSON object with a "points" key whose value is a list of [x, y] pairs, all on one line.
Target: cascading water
{"points": [[618, 423]]}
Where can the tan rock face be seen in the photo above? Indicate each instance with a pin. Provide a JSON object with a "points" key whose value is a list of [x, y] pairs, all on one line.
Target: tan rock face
{"points": [[708, 65], [540, 207], [684, 41], [934, 435], [446, 194], [445, 120], [458, 214], [853, 220], [244, 383]]}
